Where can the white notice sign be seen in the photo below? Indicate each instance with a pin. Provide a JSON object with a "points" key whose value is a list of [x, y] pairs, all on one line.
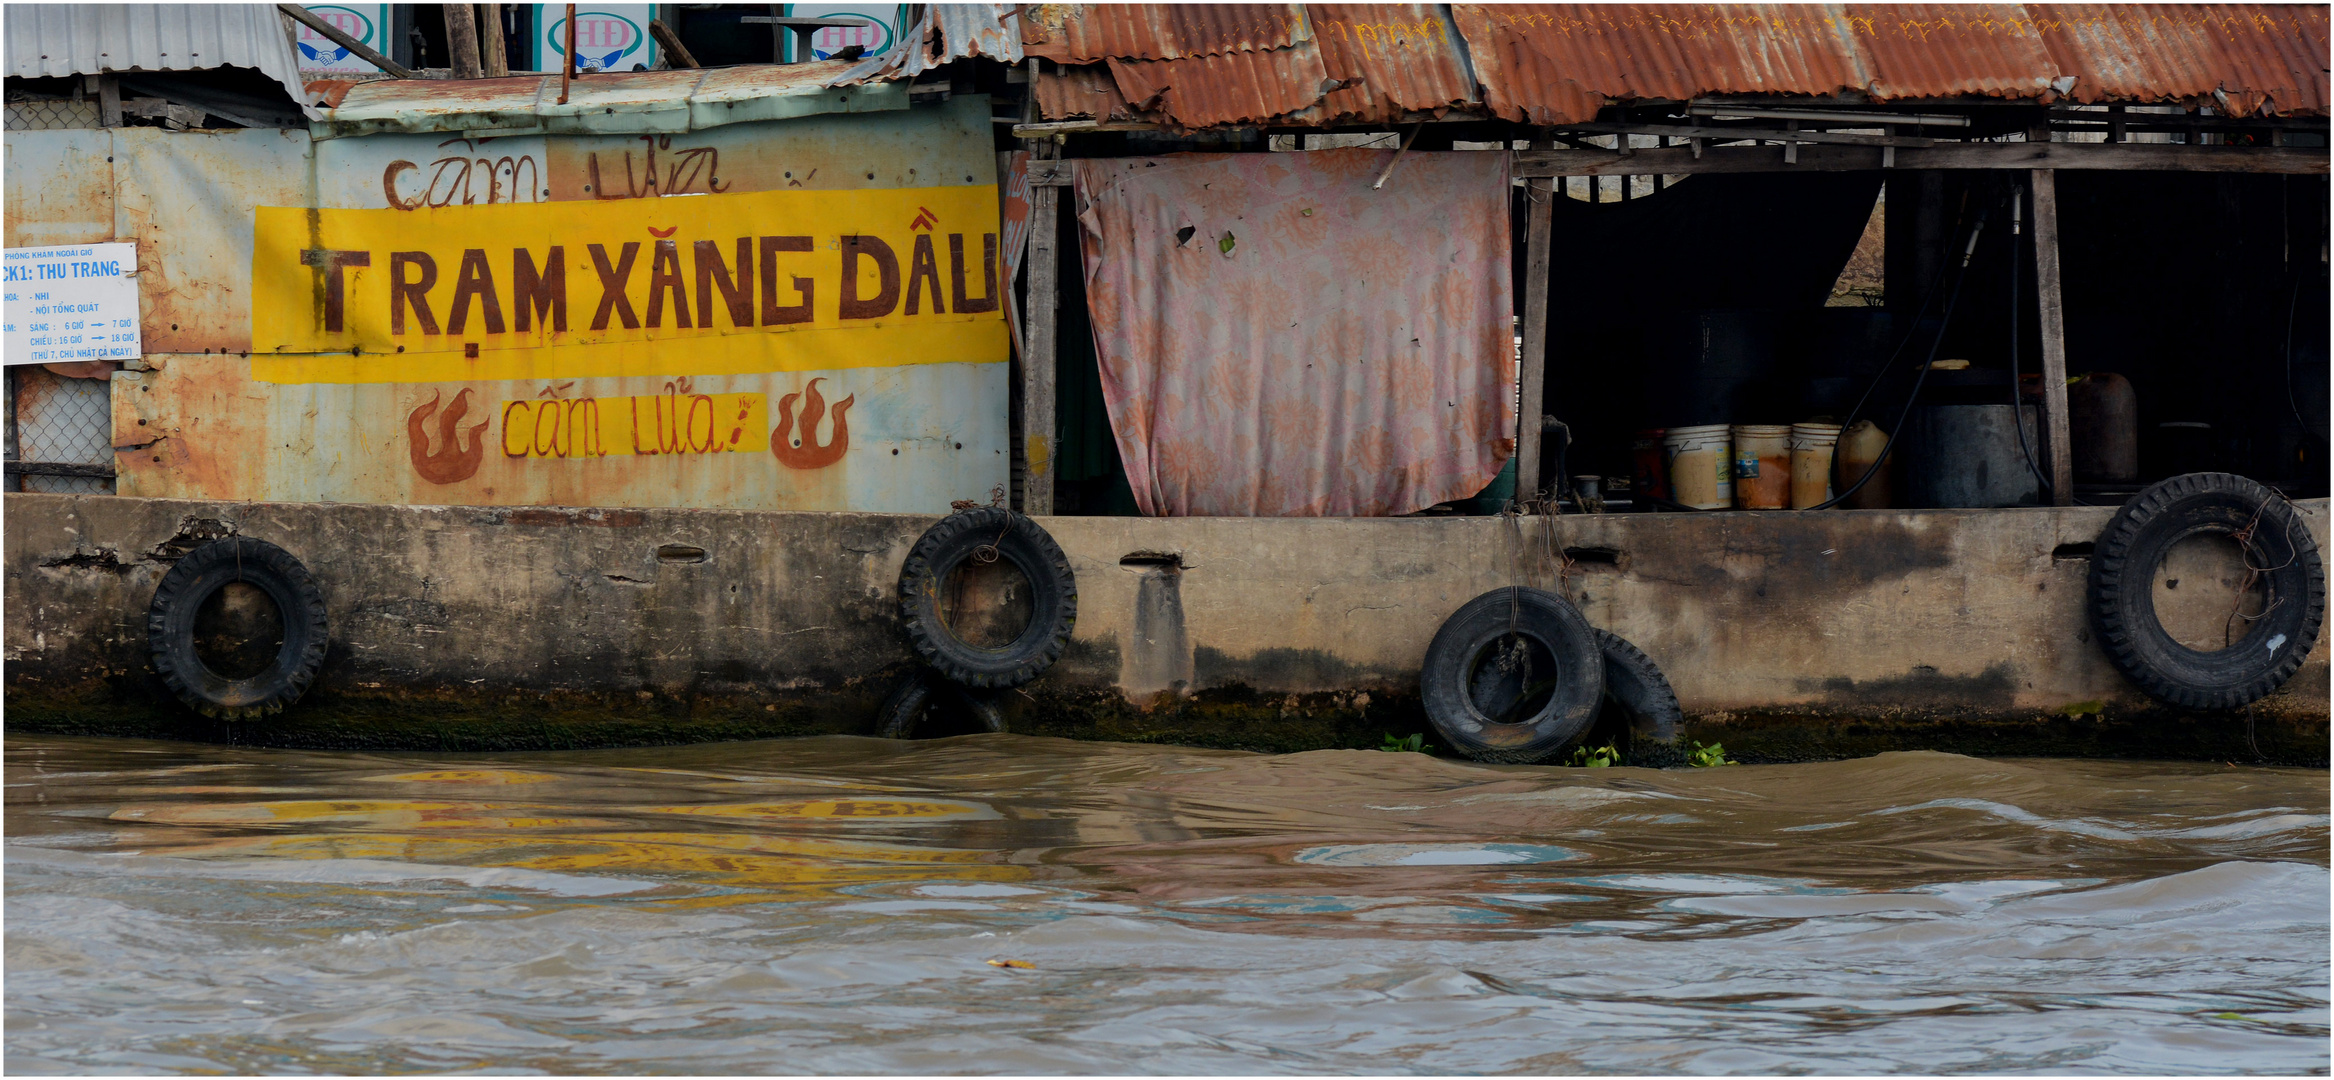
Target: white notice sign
{"points": [[69, 304]]}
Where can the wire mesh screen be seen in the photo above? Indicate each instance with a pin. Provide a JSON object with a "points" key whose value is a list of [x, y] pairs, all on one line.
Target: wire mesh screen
{"points": [[56, 420], [50, 115]]}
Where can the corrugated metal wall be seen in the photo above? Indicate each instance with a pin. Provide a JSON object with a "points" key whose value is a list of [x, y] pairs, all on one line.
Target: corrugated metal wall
{"points": [[199, 426]]}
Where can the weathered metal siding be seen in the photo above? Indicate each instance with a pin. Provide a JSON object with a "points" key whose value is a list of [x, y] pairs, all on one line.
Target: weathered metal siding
{"points": [[60, 187], [659, 102], [920, 436], [79, 39], [186, 198]]}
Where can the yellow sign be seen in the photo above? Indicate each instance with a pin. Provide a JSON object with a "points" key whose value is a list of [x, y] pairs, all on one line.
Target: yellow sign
{"points": [[708, 284]]}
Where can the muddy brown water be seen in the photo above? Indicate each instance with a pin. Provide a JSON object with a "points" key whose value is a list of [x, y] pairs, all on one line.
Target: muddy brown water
{"points": [[841, 905]]}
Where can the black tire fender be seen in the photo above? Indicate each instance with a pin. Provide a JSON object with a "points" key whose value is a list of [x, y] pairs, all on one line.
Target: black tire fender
{"points": [[1473, 675], [989, 533], [907, 706], [198, 576], [1636, 689], [2276, 540]]}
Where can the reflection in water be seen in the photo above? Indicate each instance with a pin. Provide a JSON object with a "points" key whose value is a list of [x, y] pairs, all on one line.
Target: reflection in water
{"points": [[832, 905]]}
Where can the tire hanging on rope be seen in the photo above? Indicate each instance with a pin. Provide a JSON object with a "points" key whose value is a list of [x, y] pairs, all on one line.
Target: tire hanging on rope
{"points": [[200, 575], [2264, 648], [984, 535], [1514, 675]]}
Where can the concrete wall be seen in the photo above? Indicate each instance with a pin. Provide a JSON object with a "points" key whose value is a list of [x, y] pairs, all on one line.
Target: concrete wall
{"points": [[1787, 635]]}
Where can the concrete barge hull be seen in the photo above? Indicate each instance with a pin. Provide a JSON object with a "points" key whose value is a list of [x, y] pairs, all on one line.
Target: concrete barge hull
{"points": [[1787, 636]]}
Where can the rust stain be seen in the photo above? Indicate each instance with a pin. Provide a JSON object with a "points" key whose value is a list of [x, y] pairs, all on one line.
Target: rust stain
{"points": [[805, 453], [452, 462]]}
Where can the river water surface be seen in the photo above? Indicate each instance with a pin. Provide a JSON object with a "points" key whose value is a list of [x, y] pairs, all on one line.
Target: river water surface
{"points": [[844, 905]]}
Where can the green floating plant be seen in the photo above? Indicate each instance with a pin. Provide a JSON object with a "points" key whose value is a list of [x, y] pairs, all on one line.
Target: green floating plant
{"points": [[1598, 758]]}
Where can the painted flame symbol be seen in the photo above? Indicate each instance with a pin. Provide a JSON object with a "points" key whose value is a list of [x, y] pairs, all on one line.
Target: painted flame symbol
{"points": [[452, 463], [810, 455]]}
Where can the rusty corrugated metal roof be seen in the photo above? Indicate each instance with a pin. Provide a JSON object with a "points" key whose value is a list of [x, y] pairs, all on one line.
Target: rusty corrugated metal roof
{"points": [[1553, 63], [2265, 58], [629, 102], [1086, 92], [1560, 63], [1225, 88], [1391, 58], [1088, 33]]}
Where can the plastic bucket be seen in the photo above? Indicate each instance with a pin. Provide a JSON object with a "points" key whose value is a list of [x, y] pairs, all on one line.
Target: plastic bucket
{"points": [[1762, 466], [1649, 467], [1811, 463], [1701, 466]]}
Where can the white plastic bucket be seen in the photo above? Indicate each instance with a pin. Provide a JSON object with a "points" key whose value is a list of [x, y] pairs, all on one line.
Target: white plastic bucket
{"points": [[1762, 466], [1701, 466], [1811, 463]]}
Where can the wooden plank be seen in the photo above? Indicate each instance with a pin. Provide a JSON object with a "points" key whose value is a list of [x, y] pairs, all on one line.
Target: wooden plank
{"points": [[2161, 157], [494, 50], [1538, 195], [462, 40], [57, 468], [2054, 337], [1037, 367]]}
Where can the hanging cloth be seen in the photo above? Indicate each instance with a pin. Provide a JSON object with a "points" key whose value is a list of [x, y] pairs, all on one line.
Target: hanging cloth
{"points": [[1279, 339]]}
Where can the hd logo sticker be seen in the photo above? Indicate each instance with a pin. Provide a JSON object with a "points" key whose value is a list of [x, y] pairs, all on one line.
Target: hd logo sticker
{"points": [[321, 56], [608, 37]]}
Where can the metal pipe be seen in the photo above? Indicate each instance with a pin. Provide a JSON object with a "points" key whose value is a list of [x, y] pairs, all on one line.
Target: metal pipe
{"points": [[567, 67], [333, 34]]}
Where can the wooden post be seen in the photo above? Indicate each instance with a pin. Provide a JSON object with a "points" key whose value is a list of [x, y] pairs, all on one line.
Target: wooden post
{"points": [[494, 50], [2054, 337], [1037, 368], [109, 101], [1534, 377], [462, 39]]}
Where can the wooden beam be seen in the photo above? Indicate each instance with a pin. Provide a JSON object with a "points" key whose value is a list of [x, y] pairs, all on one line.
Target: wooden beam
{"points": [[57, 468], [339, 37], [672, 42], [2158, 157], [494, 50], [1721, 131], [1538, 196], [2054, 337], [1037, 368], [462, 40]]}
